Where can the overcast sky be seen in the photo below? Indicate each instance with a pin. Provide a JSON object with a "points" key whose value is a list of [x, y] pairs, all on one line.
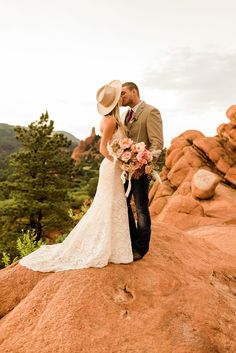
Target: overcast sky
{"points": [[55, 54]]}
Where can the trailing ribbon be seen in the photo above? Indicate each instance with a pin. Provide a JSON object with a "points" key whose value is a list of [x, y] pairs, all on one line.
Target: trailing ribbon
{"points": [[124, 178]]}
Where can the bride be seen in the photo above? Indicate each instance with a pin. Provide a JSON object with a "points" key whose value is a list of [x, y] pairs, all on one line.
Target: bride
{"points": [[102, 235]]}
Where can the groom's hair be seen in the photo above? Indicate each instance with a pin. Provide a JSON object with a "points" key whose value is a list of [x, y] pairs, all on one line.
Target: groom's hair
{"points": [[131, 85]]}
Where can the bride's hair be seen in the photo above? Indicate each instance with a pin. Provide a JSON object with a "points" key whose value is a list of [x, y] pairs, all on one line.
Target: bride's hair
{"points": [[116, 114]]}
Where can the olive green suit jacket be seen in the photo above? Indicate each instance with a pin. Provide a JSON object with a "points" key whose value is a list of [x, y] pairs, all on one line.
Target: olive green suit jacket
{"points": [[146, 126]]}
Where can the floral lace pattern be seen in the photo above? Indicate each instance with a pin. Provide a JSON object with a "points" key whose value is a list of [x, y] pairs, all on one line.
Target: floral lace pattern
{"points": [[100, 237]]}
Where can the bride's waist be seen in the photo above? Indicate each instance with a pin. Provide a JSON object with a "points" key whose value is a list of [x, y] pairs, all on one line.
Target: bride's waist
{"points": [[107, 161], [109, 164]]}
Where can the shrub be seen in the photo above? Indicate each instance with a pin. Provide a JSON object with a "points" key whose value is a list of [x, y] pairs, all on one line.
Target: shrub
{"points": [[77, 200], [25, 245]]}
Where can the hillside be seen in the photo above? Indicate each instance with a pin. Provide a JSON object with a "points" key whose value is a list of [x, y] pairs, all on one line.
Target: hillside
{"points": [[75, 141], [9, 144]]}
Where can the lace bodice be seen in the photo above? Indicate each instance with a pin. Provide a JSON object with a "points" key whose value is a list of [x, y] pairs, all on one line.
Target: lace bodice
{"points": [[117, 134]]}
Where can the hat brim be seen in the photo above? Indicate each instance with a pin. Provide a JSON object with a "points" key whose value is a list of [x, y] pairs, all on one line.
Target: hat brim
{"points": [[106, 110]]}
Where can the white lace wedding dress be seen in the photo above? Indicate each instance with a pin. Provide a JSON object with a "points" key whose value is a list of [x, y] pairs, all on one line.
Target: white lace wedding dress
{"points": [[100, 237]]}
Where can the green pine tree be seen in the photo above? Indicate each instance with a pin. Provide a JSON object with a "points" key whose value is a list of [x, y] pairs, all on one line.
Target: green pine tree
{"points": [[41, 176]]}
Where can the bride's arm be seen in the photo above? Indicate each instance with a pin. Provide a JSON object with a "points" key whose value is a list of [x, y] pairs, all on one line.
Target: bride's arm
{"points": [[108, 126]]}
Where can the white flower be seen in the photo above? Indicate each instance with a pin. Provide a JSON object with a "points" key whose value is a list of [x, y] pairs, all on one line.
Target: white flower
{"points": [[140, 146]]}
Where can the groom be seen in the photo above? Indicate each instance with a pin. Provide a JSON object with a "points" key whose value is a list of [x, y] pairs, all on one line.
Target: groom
{"points": [[144, 124]]}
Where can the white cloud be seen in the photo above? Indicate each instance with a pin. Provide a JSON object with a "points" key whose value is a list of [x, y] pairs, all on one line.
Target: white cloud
{"points": [[200, 79], [194, 88]]}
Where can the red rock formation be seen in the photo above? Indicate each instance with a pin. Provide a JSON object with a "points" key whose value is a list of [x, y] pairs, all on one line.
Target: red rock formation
{"points": [[231, 113], [179, 298], [89, 147], [188, 154]]}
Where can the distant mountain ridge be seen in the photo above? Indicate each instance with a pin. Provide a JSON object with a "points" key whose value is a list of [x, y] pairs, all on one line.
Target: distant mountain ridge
{"points": [[9, 143], [75, 141]]}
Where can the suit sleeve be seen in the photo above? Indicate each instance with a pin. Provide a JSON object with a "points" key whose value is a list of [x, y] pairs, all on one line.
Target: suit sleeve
{"points": [[155, 132]]}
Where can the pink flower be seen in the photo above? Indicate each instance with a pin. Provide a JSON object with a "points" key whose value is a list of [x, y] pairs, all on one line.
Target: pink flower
{"points": [[125, 157], [133, 149], [125, 143], [132, 158], [142, 157]]}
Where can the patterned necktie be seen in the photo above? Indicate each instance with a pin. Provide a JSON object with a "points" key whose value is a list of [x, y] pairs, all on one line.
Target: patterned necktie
{"points": [[129, 116]]}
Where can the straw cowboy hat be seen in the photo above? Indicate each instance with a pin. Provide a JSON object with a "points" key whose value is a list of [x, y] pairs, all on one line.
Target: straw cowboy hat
{"points": [[108, 96]]}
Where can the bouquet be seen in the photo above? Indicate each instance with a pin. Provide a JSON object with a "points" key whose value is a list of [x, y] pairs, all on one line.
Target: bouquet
{"points": [[134, 158]]}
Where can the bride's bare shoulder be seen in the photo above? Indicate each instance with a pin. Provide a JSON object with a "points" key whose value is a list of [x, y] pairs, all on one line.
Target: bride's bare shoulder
{"points": [[108, 121]]}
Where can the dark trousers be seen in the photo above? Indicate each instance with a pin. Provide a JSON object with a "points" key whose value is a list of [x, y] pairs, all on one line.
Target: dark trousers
{"points": [[140, 232]]}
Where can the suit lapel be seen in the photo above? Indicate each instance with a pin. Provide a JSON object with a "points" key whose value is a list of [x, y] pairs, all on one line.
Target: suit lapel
{"points": [[139, 111], [136, 115]]}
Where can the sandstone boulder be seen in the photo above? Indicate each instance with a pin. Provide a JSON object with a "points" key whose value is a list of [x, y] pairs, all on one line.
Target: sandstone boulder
{"points": [[231, 113], [204, 184]]}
